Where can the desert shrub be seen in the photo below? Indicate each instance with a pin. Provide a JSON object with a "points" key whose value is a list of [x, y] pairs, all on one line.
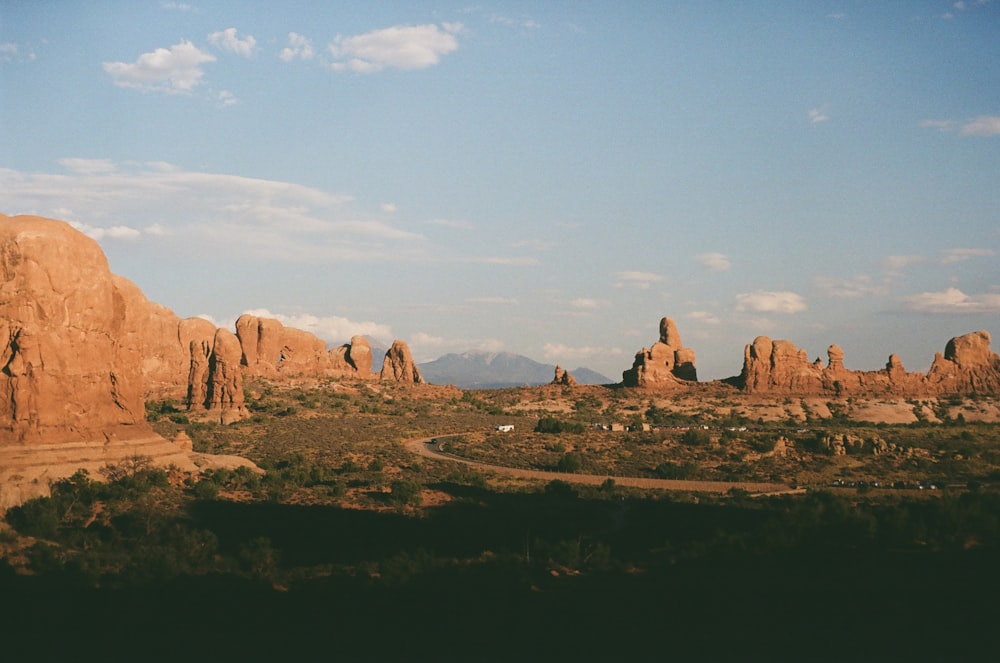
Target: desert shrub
{"points": [[555, 426], [570, 462], [406, 492], [670, 470], [695, 437]]}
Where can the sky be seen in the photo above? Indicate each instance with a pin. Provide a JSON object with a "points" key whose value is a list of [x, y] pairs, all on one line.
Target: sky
{"points": [[549, 179]]}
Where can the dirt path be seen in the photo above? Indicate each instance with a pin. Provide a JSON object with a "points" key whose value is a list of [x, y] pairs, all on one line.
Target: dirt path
{"points": [[423, 447]]}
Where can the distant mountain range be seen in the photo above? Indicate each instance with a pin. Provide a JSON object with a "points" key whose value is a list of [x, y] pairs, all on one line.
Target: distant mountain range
{"points": [[496, 370]]}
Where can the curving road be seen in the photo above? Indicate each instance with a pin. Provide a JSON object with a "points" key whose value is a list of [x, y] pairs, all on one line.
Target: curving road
{"points": [[423, 446]]}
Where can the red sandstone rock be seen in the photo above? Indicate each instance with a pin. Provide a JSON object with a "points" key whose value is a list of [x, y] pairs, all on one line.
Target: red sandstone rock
{"points": [[399, 365], [666, 363]]}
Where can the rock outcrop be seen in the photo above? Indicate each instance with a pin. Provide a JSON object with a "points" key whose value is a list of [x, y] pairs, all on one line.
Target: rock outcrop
{"points": [[399, 365], [563, 377], [667, 362], [779, 367]]}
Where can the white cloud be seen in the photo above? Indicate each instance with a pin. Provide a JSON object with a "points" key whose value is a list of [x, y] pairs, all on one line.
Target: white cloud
{"points": [[389, 208], [178, 6], [716, 262], [88, 166], [953, 301], [263, 219], [451, 223], [330, 328], [896, 264], [8, 51], [226, 40], [636, 279], [113, 232], [558, 351], [765, 301], [174, 70], [703, 316], [298, 47], [527, 23], [399, 47], [817, 115], [984, 125], [534, 244], [426, 347], [961, 255], [226, 98], [587, 303], [492, 300], [856, 286], [940, 125]]}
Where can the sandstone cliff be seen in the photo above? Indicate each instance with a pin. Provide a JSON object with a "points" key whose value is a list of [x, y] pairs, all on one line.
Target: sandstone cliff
{"points": [[666, 363]]}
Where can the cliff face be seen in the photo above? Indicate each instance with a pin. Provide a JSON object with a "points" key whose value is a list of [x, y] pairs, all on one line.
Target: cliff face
{"points": [[70, 364]]}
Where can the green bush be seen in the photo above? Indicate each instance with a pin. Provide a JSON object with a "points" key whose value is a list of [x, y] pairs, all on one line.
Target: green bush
{"points": [[570, 463]]}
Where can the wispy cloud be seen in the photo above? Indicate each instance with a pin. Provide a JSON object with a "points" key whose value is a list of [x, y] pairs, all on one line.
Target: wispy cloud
{"points": [[895, 265], [766, 301], [853, 287], [952, 301], [400, 47], [112, 232], [818, 114], [635, 279], [534, 244], [984, 125], [227, 41], [526, 23], [703, 316], [940, 125], [299, 47], [174, 70], [451, 223], [950, 256], [426, 346], [716, 262], [271, 219], [587, 303]]}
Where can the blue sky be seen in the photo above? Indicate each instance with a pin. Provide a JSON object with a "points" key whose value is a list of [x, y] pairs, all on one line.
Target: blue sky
{"points": [[543, 178]]}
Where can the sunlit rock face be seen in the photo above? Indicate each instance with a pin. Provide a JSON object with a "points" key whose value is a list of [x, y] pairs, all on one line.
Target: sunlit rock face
{"points": [[666, 363]]}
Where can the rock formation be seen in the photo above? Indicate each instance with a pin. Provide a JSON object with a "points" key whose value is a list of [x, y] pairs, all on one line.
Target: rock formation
{"points": [[399, 365], [269, 349], [81, 349], [667, 362], [563, 377], [779, 367]]}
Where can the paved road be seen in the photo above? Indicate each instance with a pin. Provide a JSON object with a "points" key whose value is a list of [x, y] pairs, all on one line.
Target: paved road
{"points": [[423, 447]]}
